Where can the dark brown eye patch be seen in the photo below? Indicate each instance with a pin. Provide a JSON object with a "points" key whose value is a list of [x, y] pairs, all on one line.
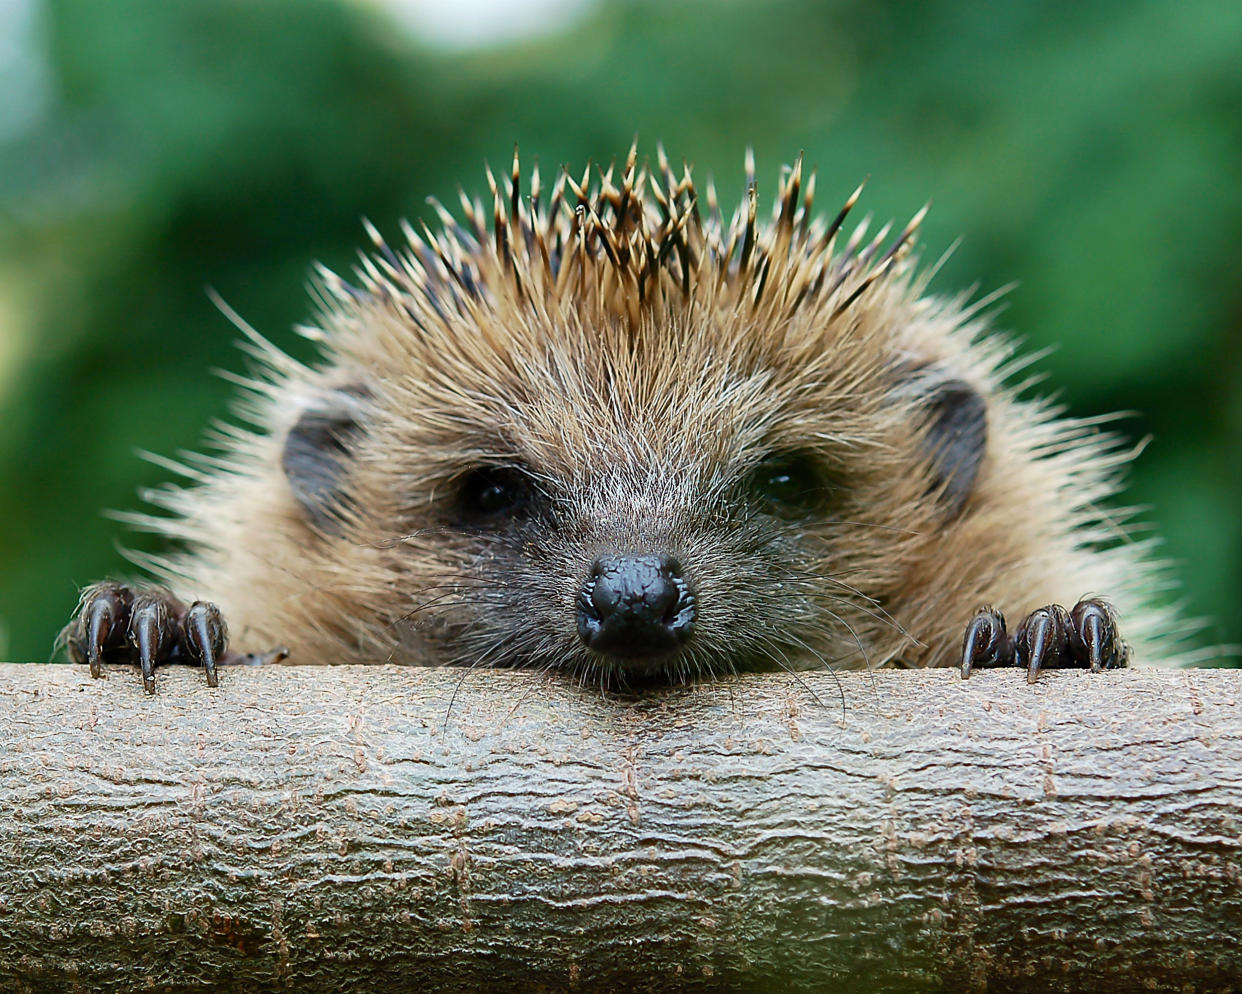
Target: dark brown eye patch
{"points": [[793, 484], [493, 493]]}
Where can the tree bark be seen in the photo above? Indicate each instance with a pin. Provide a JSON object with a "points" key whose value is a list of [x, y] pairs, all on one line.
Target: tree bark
{"points": [[379, 828]]}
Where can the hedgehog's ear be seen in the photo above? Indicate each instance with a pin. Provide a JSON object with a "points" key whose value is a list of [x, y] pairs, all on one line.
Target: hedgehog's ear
{"points": [[956, 433], [317, 454]]}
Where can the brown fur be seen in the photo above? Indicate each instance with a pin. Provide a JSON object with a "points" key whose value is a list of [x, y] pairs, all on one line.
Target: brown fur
{"points": [[640, 352]]}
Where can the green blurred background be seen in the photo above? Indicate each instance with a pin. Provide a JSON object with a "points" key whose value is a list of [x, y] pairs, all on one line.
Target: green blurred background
{"points": [[1090, 151]]}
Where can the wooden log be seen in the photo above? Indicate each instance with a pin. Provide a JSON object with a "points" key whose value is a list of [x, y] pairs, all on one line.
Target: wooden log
{"points": [[378, 828]]}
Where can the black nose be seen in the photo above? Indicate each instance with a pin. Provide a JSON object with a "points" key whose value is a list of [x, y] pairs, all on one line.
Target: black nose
{"points": [[635, 607]]}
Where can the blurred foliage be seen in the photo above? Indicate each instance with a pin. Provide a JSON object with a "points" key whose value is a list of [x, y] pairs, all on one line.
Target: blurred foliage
{"points": [[1091, 151]]}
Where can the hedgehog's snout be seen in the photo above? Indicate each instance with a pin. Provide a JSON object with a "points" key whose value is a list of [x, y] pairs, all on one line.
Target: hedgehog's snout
{"points": [[636, 607]]}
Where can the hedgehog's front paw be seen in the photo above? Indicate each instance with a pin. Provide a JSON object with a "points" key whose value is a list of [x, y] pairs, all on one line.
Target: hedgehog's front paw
{"points": [[1085, 638], [116, 623]]}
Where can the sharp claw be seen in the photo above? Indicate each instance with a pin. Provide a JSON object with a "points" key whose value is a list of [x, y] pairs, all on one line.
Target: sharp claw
{"points": [[101, 619], [209, 667], [1044, 640], [981, 645], [1094, 631], [1038, 638], [149, 633], [1093, 637], [206, 637]]}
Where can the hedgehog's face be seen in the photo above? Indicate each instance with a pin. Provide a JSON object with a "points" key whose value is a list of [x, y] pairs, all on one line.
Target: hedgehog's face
{"points": [[653, 571], [740, 520]]}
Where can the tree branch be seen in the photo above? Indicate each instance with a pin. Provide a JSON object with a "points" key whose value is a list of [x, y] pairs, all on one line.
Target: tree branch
{"points": [[350, 828]]}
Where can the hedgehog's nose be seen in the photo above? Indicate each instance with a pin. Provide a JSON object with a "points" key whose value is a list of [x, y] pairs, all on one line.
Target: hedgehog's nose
{"points": [[635, 607]]}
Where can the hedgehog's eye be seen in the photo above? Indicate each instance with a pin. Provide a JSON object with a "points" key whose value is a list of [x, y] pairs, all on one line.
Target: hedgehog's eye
{"points": [[493, 492], [791, 484]]}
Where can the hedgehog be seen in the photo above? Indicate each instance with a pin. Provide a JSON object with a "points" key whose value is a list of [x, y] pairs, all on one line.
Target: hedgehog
{"points": [[606, 430]]}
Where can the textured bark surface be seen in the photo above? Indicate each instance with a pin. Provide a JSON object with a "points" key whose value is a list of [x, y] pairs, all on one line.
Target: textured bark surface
{"points": [[344, 829]]}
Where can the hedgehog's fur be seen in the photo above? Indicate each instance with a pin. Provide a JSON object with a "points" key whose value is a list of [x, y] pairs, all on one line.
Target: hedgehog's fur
{"points": [[639, 354]]}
